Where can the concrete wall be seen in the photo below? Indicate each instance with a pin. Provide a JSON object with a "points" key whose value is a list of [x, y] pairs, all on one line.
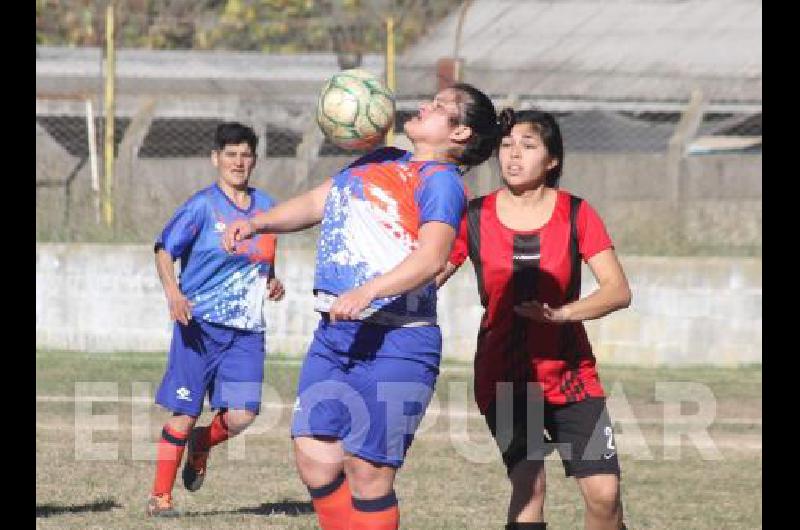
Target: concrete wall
{"points": [[685, 310]]}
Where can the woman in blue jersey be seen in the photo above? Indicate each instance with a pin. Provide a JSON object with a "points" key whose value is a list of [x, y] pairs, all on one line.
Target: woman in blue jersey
{"points": [[218, 337], [387, 224]]}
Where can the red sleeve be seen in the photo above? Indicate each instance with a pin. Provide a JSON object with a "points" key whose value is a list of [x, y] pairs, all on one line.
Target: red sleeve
{"points": [[592, 235], [459, 253]]}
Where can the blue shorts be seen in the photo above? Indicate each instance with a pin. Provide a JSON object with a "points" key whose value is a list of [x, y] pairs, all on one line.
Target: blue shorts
{"points": [[355, 386], [227, 363]]}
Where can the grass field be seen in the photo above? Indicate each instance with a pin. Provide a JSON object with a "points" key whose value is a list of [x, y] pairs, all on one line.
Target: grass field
{"points": [[453, 477]]}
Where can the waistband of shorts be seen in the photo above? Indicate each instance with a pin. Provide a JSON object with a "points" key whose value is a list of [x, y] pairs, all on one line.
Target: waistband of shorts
{"points": [[324, 300]]}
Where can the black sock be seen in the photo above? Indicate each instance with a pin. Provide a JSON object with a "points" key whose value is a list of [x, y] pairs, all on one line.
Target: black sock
{"points": [[375, 505], [526, 526]]}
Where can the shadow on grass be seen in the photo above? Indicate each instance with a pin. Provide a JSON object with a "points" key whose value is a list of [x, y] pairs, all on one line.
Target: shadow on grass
{"points": [[284, 507], [104, 505]]}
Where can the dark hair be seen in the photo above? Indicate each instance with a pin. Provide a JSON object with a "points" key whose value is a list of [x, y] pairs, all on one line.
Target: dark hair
{"points": [[546, 126], [234, 133], [477, 113]]}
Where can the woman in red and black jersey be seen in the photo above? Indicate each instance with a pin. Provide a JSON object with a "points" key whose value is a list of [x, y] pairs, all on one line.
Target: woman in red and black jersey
{"points": [[534, 366]]}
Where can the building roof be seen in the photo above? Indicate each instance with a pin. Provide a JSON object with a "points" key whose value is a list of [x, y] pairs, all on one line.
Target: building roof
{"points": [[605, 49]]}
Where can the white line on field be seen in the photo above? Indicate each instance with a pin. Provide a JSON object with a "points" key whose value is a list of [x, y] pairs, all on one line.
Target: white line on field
{"points": [[161, 359], [452, 413]]}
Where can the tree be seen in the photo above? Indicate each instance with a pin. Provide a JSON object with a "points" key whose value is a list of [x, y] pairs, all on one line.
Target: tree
{"points": [[275, 26]]}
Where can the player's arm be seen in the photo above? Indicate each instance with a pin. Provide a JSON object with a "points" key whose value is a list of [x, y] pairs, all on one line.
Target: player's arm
{"points": [[457, 255], [179, 306], [612, 293], [434, 240], [275, 289], [297, 213], [448, 270]]}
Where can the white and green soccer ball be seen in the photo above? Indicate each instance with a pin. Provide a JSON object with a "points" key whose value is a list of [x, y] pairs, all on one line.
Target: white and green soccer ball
{"points": [[355, 110]]}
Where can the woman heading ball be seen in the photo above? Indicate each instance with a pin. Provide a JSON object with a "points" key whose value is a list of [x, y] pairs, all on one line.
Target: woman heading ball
{"points": [[388, 222]]}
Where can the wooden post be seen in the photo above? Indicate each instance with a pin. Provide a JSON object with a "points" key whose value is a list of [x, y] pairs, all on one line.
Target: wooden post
{"points": [[108, 174], [676, 158], [390, 69]]}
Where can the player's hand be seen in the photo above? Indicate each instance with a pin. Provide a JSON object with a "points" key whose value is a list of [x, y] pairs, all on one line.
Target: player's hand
{"points": [[180, 308], [541, 312], [349, 305], [236, 231], [275, 290]]}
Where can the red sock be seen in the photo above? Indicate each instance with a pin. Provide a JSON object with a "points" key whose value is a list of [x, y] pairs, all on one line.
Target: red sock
{"points": [[208, 437], [168, 458], [332, 504], [375, 514], [215, 433]]}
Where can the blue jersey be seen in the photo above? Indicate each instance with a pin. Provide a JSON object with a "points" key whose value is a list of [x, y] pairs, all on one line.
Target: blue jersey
{"points": [[225, 289], [372, 217]]}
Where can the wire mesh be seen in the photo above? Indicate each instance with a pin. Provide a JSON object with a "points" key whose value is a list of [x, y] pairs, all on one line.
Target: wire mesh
{"points": [[205, 62]]}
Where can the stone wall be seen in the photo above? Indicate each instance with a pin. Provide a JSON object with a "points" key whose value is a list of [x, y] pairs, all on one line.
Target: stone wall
{"points": [[104, 298]]}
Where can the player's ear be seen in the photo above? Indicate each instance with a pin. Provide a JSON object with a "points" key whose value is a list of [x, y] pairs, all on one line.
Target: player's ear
{"points": [[215, 158], [553, 163], [461, 133]]}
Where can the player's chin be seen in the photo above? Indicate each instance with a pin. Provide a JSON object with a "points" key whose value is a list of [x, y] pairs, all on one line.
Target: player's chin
{"points": [[518, 180], [237, 180]]}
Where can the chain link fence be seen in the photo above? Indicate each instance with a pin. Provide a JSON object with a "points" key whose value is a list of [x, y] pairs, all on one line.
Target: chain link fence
{"points": [[630, 156]]}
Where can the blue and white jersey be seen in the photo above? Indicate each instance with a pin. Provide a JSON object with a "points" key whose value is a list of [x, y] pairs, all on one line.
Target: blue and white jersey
{"points": [[371, 222], [226, 289]]}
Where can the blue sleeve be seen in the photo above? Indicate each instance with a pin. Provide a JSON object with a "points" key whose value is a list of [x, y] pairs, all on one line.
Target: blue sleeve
{"points": [[265, 200], [441, 197], [182, 229]]}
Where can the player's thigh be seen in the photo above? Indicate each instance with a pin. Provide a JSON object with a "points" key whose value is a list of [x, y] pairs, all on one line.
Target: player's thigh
{"points": [[325, 402], [319, 460], [240, 373], [186, 378], [516, 422], [585, 437], [600, 489], [396, 393]]}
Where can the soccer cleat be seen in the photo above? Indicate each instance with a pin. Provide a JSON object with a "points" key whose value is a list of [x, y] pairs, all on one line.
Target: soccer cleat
{"points": [[194, 470], [161, 506]]}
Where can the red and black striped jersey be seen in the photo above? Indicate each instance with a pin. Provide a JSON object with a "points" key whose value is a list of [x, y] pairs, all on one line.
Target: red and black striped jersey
{"points": [[512, 266]]}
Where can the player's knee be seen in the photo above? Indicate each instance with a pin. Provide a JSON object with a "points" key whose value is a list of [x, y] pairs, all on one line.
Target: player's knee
{"points": [[182, 422], [538, 492], [318, 464], [528, 480], [368, 481], [239, 420], [602, 498]]}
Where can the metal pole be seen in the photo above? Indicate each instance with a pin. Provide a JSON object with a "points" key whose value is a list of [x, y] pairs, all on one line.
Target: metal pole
{"points": [[462, 15], [90, 133], [390, 68], [108, 175]]}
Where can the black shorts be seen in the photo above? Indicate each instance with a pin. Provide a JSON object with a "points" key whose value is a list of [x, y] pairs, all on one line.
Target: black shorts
{"points": [[580, 431]]}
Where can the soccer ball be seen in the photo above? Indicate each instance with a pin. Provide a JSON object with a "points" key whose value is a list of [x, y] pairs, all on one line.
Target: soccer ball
{"points": [[355, 110]]}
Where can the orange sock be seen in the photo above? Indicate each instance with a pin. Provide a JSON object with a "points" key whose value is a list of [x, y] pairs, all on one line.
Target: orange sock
{"points": [[215, 433], [168, 458], [332, 504], [375, 514], [208, 437]]}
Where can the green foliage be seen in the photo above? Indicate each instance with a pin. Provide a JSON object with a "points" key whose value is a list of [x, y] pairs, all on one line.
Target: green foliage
{"points": [[278, 26]]}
